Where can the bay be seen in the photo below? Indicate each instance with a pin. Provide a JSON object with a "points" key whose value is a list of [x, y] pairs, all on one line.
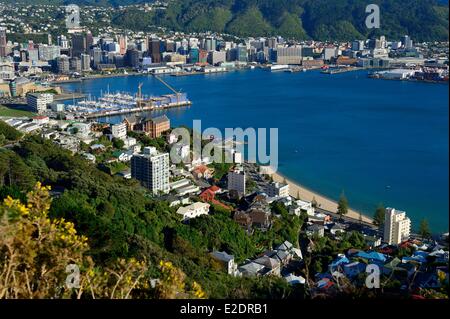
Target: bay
{"points": [[376, 140]]}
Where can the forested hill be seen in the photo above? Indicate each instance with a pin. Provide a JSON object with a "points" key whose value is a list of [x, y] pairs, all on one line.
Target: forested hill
{"points": [[318, 19], [424, 20]]}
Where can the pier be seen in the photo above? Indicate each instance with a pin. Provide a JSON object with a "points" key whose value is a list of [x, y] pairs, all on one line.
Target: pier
{"points": [[135, 110], [341, 70]]}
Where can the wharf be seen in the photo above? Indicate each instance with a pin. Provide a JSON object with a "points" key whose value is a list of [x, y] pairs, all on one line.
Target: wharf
{"points": [[135, 110]]}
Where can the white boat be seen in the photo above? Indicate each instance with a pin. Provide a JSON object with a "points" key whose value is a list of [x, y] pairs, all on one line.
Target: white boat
{"points": [[279, 67]]}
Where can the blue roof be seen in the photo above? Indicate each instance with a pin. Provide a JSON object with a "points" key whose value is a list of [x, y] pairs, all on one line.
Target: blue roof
{"points": [[339, 261], [371, 256]]}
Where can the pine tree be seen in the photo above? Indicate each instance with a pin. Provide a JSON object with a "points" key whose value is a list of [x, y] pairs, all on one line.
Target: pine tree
{"points": [[424, 229], [342, 206], [379, 215]]}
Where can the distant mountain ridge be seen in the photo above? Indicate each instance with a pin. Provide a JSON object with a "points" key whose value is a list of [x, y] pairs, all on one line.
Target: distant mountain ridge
{"points": [[423, 20]]}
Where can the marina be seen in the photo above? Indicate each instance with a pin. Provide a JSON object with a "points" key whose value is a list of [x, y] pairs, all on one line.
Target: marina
{"points": [[123, 103]]}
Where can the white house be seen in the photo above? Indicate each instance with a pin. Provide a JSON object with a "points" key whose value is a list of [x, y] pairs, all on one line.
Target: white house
{"points": [[276, 189], [300, 206], [194, 210], [227, 260]]}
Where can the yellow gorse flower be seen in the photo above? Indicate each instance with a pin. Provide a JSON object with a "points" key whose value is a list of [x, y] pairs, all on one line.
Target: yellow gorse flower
{"points": [[16, 205]]}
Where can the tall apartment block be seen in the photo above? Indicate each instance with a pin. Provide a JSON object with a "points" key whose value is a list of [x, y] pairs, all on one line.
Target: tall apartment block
{"points": [[3, 42], [236, 180], [38, 102], [152, 170], [397, 226]]}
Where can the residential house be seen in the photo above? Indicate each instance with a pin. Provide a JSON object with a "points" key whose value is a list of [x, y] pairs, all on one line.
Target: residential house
{"points": [[338, 263], [250, 269], [372, 257], [337, 229], [315, 229], [271, 265], [276, 189], [203, 171], [372, 241], [194, 210], [227, 261], [132, 122], [98, 148], [300, 206], [288, 247], [122, 156], [353, 269], [176, 200], [294, 280], [243, 220]]}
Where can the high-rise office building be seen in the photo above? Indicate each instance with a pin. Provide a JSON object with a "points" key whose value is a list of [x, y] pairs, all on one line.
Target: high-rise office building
{"points": [[241, 53], [97, 57], [407, 42], [272, 42], [3, 42], [132, 58], [75, 64], [216, 57], [170, 46], [154, 50], [358, 45], [79, 45], [33, 55], [63, 42], [396, 226], [194, 55], [210, 44], [89, 40], [85, 62], [289, 55], [123, 43], [62, 64], [48, 52], [152, 170]]}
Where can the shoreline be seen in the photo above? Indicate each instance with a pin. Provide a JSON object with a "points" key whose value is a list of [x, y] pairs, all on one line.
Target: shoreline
{"points": [[325, 202]]}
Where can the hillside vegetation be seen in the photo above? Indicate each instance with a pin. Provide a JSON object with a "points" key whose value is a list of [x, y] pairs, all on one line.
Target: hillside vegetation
{"points": [[424, 20]]}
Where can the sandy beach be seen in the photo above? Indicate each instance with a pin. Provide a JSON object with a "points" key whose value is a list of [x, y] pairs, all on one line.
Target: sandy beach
{"points": [[325, 203]]}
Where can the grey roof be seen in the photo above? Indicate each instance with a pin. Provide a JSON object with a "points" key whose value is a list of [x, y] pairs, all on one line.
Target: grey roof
{"points": [[285, 246], [132, 118], [268, 262], [251, 268], [223, 256], [315, 227]]}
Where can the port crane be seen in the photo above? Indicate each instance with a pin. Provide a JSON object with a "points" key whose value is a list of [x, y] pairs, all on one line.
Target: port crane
{"points": [[169, 87], [139, 97], [139, 94]]}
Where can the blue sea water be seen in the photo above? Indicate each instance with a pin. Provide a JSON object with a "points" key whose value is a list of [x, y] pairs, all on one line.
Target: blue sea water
{"points": [[378, 141]]}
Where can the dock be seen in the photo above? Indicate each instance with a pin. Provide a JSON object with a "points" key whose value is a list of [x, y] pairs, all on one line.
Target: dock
{"points": [[340, 70], [135, 110]]}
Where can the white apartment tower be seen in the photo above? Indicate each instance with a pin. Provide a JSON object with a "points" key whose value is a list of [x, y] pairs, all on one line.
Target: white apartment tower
{"points": [[39, 101], [152, 170], [396, 226], [119, 130]]}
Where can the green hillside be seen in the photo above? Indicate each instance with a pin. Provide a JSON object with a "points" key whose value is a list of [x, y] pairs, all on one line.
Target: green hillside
{"points": [[424, 20]]}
